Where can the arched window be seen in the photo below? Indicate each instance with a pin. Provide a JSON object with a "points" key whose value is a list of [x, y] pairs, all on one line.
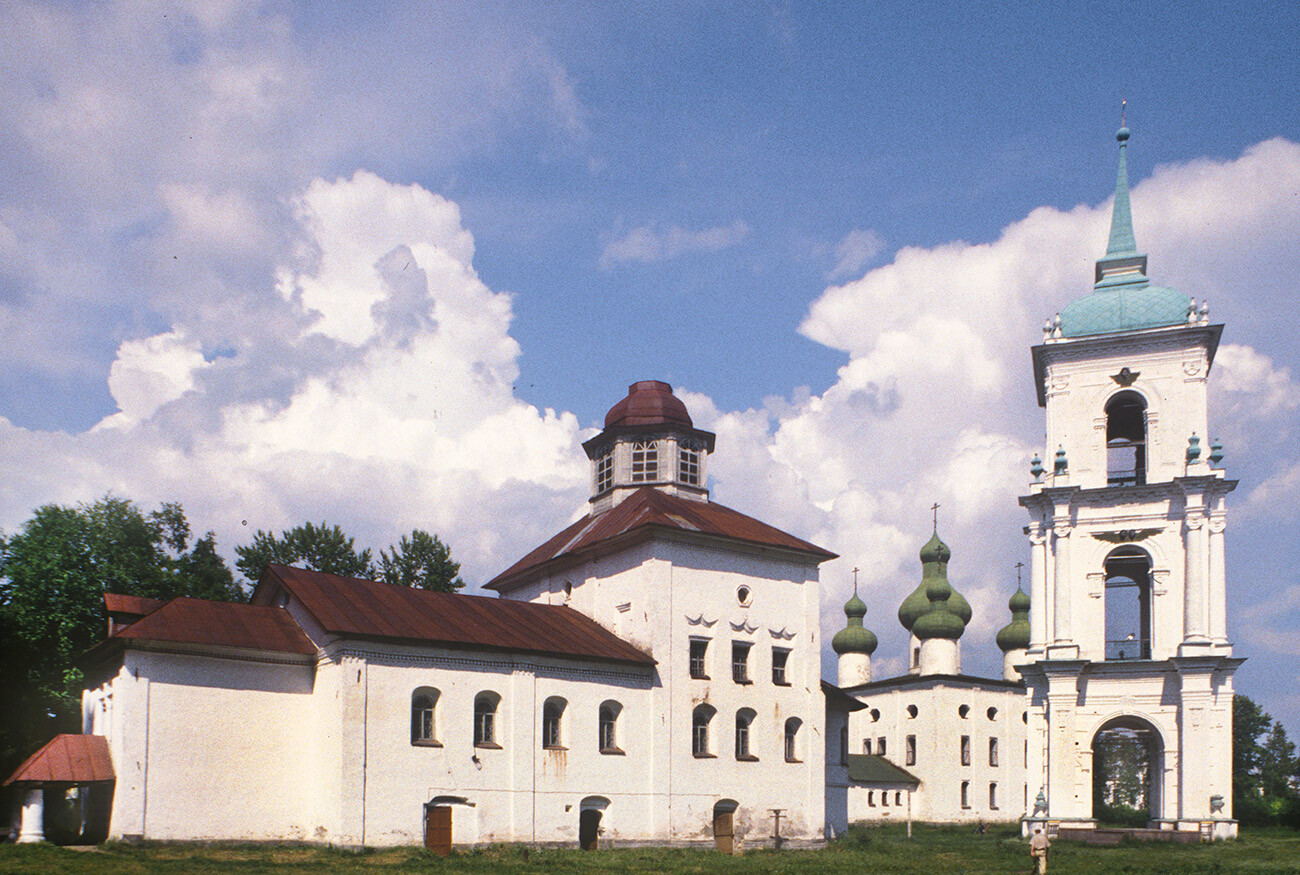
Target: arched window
{"points": [[645, 462], [552, 719], [700, 719], [792, 739], [1128, 604], [744, 717], [1126, 440], [485, 719], [608, 726], [423, 703]]}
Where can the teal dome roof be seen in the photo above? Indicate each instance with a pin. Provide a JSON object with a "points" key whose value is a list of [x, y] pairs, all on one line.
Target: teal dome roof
{"points": [[1124, 308], [1123, 299], [1015, 635], [853, 638]]}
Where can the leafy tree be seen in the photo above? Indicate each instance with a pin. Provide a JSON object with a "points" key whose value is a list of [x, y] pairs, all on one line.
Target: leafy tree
{"points": [[1277, 764], [320, 548], [53, 574], [1249, 723], [421, 560]]}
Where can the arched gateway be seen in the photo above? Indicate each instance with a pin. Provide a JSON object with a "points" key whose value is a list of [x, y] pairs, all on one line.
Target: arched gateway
{"points": [[1127, 772]]}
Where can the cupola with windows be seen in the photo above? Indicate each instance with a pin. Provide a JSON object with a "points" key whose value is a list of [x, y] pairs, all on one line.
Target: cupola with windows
{"points": [[648, 441]]}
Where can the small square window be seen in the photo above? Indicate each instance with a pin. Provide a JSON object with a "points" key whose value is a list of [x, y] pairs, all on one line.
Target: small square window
{"points": [[699, 657], [780, 656], [740, 662]]}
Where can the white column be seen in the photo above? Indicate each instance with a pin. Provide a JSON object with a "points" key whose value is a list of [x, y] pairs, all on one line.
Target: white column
{"points": [[854, 669], [1218, 583], [1194, 583], [938, 656], [1061, 631], [33, 825], [1037, 588]]}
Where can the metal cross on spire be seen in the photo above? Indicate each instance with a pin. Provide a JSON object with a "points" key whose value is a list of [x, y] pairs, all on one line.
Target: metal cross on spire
{"points": [[935, 508], [1123, 107], [855, 580], [1019, 565]]}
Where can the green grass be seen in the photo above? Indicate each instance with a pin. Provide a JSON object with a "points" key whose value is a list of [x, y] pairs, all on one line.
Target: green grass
{"points": [[865, 850]]}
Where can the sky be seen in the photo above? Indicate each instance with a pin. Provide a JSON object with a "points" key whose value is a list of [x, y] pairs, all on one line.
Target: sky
{"points": [[387, 265]]}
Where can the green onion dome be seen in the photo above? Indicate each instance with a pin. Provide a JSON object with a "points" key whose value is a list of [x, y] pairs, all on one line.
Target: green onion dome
{"points": [[934, 564], [853, 638], [1015, 635], [940, 621]]}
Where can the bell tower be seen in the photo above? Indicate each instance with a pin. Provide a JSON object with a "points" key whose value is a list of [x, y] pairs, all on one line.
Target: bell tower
{"points": [[1127, 619]]}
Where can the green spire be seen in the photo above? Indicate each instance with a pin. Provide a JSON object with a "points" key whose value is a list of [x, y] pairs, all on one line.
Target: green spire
{"points": [[1122, 242], [1015, 635], [853, 638]]}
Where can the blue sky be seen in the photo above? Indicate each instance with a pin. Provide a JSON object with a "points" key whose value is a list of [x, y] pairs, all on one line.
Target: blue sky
{"points": [[389, 267]]}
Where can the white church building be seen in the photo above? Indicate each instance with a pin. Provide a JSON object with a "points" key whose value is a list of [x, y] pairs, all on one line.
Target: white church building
{"points": [[652, 673]]}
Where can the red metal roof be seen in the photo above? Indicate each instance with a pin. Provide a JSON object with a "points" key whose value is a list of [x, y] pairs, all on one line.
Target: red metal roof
{"points": [[198, 621], [367, 608], [131, 604], [648, 402], [67, 759], [643, 511]]}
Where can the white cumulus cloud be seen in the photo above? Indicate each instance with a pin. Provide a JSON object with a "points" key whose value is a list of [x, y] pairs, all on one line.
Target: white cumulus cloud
{"points": [[646, 244]]}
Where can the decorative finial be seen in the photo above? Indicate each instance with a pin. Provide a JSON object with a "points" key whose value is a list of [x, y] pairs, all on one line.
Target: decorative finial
{"points": [[1061, 465], [1216, 453], [1036, 468], [1123, 108], [935, 507], [1193, 449]]}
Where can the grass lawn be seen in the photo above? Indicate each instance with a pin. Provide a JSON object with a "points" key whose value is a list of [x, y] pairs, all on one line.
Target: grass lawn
{"points": [[867, 850]]}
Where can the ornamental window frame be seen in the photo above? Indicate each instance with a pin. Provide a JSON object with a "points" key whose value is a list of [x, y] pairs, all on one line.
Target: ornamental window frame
{"points": [[688, 462], [605, 470], [645, 462]]}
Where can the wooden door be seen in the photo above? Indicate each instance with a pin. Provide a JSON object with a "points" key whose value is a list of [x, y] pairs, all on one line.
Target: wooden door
{"points": [[588, 826], [722, 831], [437, 829]]}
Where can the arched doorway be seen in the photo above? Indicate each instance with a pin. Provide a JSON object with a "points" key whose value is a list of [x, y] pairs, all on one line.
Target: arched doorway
{"points": [[724, 826], [1127, 764], [590, 813]]}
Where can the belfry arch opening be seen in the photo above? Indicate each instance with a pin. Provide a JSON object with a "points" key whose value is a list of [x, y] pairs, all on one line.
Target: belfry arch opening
{"points": [[1128, 604], [1127, 761], [1126, 440]]}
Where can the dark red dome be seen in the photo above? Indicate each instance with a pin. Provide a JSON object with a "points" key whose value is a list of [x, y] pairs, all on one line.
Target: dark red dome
{"points": [[649, 402]]}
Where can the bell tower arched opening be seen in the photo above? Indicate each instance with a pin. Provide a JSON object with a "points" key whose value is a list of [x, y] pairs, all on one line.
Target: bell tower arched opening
{"points": [[1127, 761], [1126, 440], [1128, 604]]}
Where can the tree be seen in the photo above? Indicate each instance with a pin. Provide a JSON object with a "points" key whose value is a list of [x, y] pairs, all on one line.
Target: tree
{"points": [[53, 576], [1249, 723], [1277, 764], [320, 548], [421, 560]]}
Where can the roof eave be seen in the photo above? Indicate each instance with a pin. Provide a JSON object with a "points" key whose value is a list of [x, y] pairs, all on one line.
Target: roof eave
{"points": [[645, 661]]}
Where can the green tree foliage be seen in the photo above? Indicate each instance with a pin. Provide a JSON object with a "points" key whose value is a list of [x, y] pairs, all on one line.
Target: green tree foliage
{"points": [[53, 575], [1264, 768], [421, 560], [319, 548]]}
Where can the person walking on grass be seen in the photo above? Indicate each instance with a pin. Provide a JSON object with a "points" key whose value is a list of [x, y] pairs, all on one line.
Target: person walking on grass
{"points": [[1038, 846]]}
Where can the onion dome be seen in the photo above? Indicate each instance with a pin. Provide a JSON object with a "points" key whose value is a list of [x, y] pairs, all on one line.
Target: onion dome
{"points": [[934, 565], [941, 620], [853, 638], [1015, 635], [649, 402]]}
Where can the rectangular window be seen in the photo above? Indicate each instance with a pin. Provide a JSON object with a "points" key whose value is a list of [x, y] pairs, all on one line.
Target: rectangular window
{"points": [[880, 746], [605, 470], [699, 655], [993, 751], [688, 464], [740, 662], [965, 794], [866, 746], [884, 798], [965, 750], [645, 462], [909, 754], [779, 658], [993, 796], [871, 798]]}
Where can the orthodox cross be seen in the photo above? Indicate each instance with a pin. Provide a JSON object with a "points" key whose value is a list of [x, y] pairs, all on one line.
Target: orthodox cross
{"points": [[1019, 565], [855, 581], [935, 507]]}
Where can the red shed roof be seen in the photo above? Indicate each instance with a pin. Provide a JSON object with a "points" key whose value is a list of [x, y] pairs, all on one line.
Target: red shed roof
{"points": [[199, 621], [67, 759], [369, 609], [131, 604], [640, 514]]}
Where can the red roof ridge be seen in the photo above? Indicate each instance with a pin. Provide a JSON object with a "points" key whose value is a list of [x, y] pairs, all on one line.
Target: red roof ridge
{"points": [[648, 508]]}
